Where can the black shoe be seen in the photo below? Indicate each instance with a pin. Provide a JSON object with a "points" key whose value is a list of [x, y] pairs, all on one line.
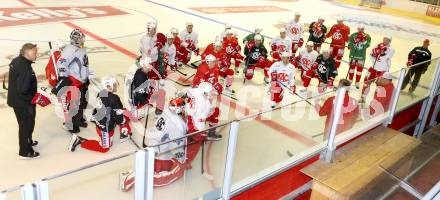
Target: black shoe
{"points": [[212, 135], [30, 155], [74, 142], [34, 143], [74, 131], [83, 124], [158, 112]]}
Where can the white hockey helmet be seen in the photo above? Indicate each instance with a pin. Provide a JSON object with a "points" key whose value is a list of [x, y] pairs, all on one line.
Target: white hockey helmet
{"points": [[210, 58], [361, 26], [310, 43], [218, 43], [174, 30], [388, 37], [189, 23], [228, 26], [258, 29], [282, 30], [205, 87], [297, 14], [285, 54], [258, 37], [151, 24], [176, 105], [144, 61], [109, 81], [340, 19], [325, 50], [170, 36], [320, 18], [387, 75]]}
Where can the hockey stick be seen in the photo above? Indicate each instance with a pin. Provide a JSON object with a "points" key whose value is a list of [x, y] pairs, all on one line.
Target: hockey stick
{"points": [[293, 92], [190, 77], [53, 60], [230, 96], [145, 127], [135, 144], [4, 82]]}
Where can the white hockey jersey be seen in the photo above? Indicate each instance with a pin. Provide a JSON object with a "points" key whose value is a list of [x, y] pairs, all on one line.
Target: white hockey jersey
{"points": [[282, 45], [285, 73], [74, 62], [383, 63], [168, 126], [295, 30], [190, 38], [147, 47], [198, 107], [169, 52], [306, 59]]}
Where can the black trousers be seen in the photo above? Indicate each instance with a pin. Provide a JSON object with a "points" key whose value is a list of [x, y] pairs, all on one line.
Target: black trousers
{"points": [[26, 123], [415, 73]]}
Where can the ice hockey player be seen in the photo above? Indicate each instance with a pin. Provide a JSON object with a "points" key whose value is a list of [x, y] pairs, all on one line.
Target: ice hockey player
{"points": [[169, 52], [282, 76], [182, 53], [418, 55], [249, 40], [232, 52], [324, 70], [151, 46], [107, 114], [295, 31], [170, 161], [140, 91], [201, 112], [71, 89], [381, 58], [256, 57], [209, 72], [350, 111], [306, 58], [358, 44], [280, 44], [215, 49], [228, 29], [339, 33], [190, 39], [317, 32], [382, 95]]}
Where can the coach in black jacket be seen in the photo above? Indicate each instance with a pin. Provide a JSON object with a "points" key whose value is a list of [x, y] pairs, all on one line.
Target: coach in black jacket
{"points": [[421, 56], [22, 89]]}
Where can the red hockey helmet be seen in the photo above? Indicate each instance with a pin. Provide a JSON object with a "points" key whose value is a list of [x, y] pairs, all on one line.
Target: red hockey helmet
{"points": [[176, 105]]}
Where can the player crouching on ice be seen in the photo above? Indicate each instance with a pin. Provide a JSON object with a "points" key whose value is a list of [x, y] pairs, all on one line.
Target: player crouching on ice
{"points": [[107, 114], [282, 75], [324, 70], [140, 91], [232, 52], [256, 56], [171, 161]]}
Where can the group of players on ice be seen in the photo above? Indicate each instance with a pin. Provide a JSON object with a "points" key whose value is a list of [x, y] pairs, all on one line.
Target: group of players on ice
{"points": [[191, 110]]}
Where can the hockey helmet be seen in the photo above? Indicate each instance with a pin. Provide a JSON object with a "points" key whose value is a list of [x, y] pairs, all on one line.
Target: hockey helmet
{"points": [[170, 36], [388, 37], [258, 29], [218, 43], [361, 26], [258, 37], [77, 37], [228, 26], [176, 105], [339, 19], [205, 87], [188, 23], [174, 31], [285, 54], [387, 75], [144, 61], [151, 24], [282, 30], [210, 58], [310, 43], [320, 18], [297, 14], [109, 81], [325, 50]]}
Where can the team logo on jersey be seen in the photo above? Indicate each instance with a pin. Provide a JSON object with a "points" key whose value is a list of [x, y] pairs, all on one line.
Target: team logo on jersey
{"points": [[305, 62], [281, 48], [255, 55], [160, 124], [294, 30], [230, 50], [337, 35], [322, 68]]}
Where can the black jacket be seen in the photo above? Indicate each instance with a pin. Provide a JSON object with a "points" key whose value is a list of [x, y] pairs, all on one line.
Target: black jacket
{"points": [[418, 55], [22, 82], [139, 88], [254, 54], [325, 68], [105, 112]]}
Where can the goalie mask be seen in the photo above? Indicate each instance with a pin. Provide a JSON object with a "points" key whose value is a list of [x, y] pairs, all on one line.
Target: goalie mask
{"points": [[77, 38], [176, 105]]}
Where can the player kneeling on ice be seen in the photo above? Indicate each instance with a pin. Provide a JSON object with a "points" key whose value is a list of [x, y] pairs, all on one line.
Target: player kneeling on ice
{"points": [[282, 75], [140, 91], [170, 162], [256, 56], [232, 52], [324, 70], [107, 114], [306, 58]]}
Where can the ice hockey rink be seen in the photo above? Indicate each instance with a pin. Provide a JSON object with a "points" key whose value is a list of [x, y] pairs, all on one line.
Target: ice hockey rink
{"points": [[112, 40]]}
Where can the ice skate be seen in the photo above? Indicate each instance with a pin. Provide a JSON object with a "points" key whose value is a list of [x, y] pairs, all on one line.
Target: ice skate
{"points": [[126, 180], [74, 142]]}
